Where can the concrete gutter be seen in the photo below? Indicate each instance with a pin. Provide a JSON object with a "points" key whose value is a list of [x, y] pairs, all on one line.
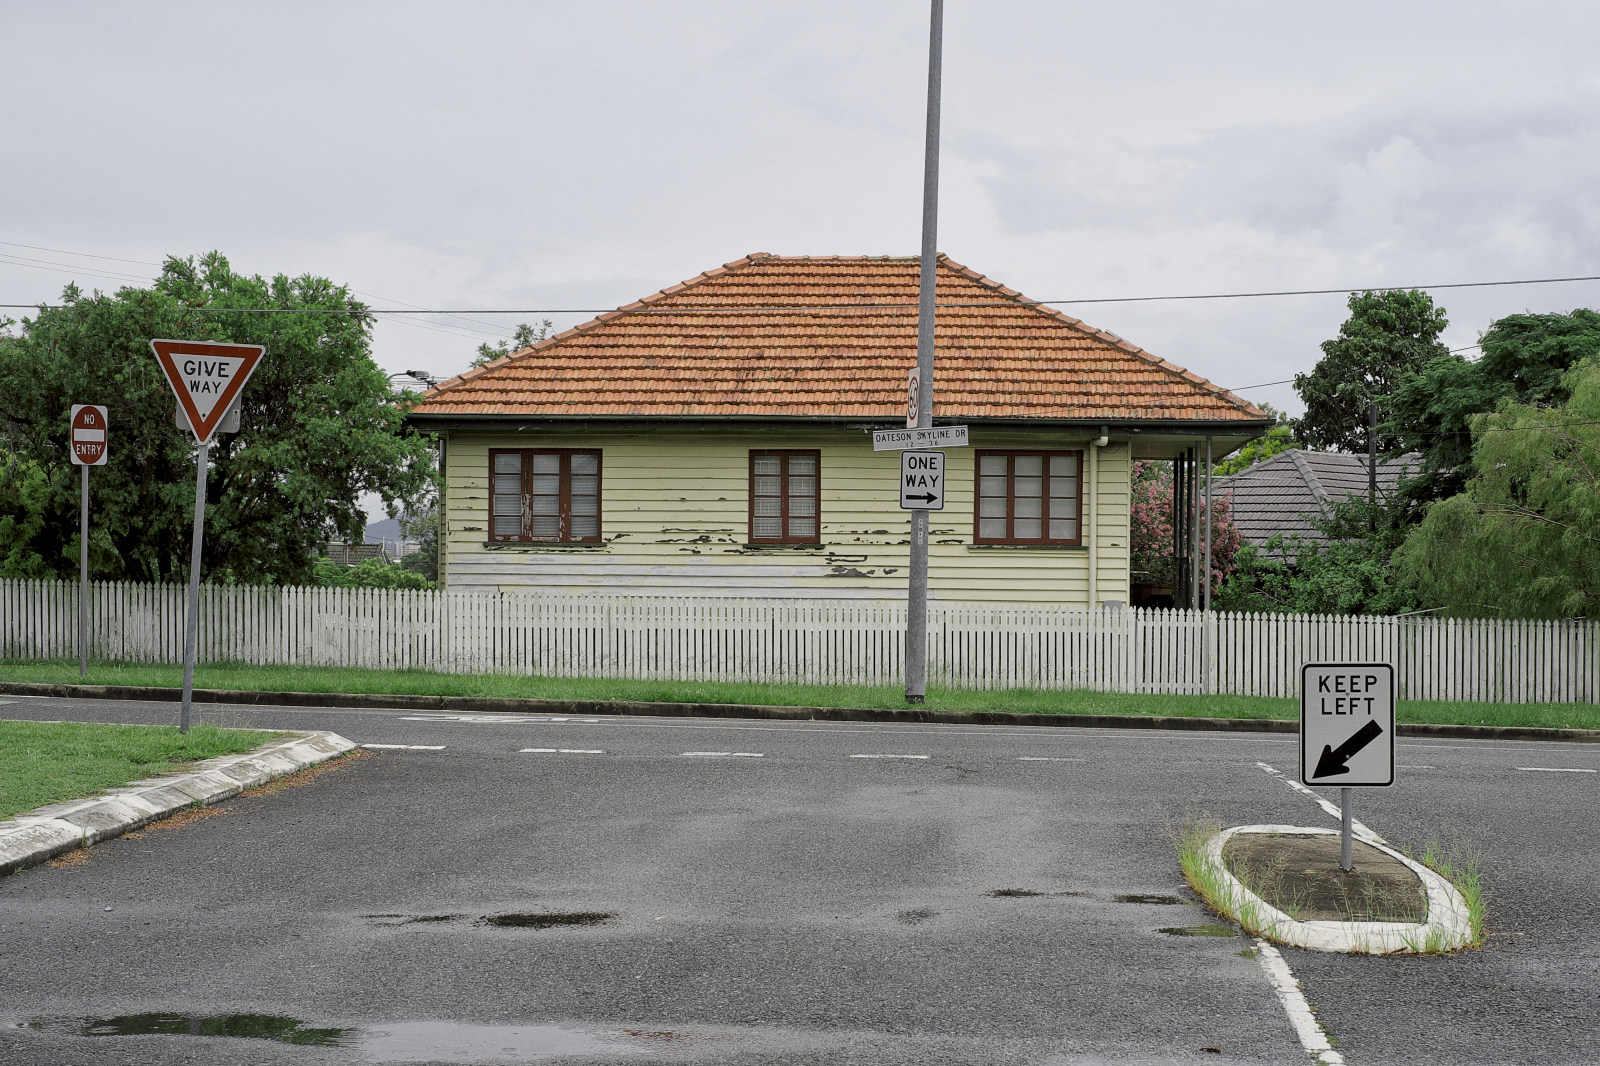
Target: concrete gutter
{"points": [[41, 834], [510, 705]]}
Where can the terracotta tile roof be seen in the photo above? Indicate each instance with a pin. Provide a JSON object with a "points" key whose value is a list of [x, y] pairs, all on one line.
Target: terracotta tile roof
{"points": [[790, 336]]}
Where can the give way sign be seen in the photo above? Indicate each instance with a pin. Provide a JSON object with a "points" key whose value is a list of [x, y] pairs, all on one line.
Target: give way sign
{"points": [[206, 376]]}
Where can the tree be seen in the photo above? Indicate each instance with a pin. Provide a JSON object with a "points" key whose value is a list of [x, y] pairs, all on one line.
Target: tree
{"points": [[1523, 539], [524, 336], [1390, 335], [1278, 439], [320, 426], [370, 574], [1525, 358], [1150, 518]]}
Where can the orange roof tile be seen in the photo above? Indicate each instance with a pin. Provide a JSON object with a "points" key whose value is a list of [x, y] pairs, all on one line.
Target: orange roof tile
{"points": [[811, 337]]}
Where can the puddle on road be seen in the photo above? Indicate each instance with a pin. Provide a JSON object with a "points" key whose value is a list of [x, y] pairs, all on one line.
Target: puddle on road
{"points": [[915, 917], [411, 919], [1139, 898], [1200, 930], [1021, 893], [540, 920], [424, 1041]]}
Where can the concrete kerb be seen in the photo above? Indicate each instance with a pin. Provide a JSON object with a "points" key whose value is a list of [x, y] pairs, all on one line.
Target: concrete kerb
{"points": [[530, 705], [42, 834], [1448, 925]]}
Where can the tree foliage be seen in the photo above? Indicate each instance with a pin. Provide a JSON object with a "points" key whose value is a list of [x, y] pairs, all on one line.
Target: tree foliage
{"points": [[1276, 440], [524, 336], [1153, 560], [320, 426], [1390, 335]]}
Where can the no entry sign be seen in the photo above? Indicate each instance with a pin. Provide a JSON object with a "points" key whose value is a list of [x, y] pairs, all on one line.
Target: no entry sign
{"points": [[206, 376], [88, 435]]}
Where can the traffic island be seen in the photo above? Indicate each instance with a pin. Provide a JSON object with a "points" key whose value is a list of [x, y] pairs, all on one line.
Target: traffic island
{"points": [[1284, 883]]}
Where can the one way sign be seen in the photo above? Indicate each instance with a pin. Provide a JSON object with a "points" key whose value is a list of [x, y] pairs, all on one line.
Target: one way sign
{"points": [[922, 481], [1347, 724]]}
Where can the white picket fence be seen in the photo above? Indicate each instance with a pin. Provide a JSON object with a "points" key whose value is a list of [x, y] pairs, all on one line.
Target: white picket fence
{"points": [[805, 641]]}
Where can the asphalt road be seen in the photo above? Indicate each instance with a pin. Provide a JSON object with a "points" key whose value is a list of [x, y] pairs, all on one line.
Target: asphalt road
{"points": [[782, 892]]}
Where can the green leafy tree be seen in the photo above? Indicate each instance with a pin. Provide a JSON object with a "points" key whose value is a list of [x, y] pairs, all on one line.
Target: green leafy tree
{"points": [[1523, 539], [369, 574], [1389, 336], [524, 336], [319, 426], [1278, 439]]}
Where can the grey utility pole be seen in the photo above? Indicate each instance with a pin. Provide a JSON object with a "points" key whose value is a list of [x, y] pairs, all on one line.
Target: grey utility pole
{"points": [[83, 578], [917, 600], [191, 626]]}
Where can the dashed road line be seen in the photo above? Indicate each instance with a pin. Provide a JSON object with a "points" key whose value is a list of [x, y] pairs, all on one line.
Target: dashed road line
{"points": [[1356, 826], [405, 747], [563, 751], [1558, 769], [1044, 758], [487, 719], [1306, 1027], [888, 756], [728, 754]]}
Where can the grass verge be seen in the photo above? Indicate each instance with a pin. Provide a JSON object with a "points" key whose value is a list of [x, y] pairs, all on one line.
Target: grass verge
{"points": [[47, 762], [1013, 701]]}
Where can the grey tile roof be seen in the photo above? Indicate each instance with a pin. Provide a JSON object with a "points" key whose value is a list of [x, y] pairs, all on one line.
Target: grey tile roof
{"points": [[1282, 494]]}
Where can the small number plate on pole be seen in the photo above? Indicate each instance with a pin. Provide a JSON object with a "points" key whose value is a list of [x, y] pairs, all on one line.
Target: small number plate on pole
{"points": [[922, 481], [1347, 724], [88, 435]]}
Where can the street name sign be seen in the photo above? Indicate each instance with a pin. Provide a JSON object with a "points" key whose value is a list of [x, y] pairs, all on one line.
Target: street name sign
{"points": [[88, 435], [206, 377], [922, 481], [913, 398], [899, 440], [1347, 724]]}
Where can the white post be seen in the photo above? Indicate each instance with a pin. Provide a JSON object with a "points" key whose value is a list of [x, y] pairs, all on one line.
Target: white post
{"points": [[191, 628], [917, 594], [1345, 817]]}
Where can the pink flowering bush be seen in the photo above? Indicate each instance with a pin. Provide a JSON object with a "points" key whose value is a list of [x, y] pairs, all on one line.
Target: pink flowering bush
{"points": [[1151, 520]]}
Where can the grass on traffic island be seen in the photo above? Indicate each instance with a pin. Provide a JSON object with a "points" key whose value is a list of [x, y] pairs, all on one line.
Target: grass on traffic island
{"points": [[888, 697], [48, 762], [1299, 897]]}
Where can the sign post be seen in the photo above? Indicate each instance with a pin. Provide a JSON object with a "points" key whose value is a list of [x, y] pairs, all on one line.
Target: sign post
{"points": [[1347, 732], [88, 430], [206, 377]]}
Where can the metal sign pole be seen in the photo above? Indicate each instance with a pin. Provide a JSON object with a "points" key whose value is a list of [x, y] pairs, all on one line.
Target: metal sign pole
{"points": [[1344, 830], [83, 578], [191, 628], [917, 597]]}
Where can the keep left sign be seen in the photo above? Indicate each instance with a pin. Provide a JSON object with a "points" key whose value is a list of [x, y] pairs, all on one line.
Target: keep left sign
{"points": [[206, 377]]}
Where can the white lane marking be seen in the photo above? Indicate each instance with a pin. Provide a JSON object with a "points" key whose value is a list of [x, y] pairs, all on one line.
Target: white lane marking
{"points": [[564, 751], [1044, 758], [1558, 769], [888, 756], [1356, 827], [1306, 1027], [405, 747], [486, 719], [1402, 766], [729, 754]]}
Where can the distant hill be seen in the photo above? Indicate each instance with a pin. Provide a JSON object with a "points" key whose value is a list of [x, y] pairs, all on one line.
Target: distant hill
{"points": [[386, 530]]}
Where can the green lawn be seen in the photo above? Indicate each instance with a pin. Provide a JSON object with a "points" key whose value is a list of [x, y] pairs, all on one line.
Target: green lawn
{"points": [[1022, 701], [46, 762]]}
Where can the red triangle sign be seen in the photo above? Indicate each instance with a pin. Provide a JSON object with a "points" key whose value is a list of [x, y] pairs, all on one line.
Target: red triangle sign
{"points": [[207, 377]]}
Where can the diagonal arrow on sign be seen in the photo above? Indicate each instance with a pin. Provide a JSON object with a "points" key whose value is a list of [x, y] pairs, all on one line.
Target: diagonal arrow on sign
{"points": [[1335, 761], [206, 377]]}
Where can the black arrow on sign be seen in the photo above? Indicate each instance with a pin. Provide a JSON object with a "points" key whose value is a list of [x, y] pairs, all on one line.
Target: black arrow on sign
{"points": [[925, 498], [1334, 759]]}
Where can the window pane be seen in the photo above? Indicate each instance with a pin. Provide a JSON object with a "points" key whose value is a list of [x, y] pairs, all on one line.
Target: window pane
{"points": [[585, 464], [992, 507], [508, 526], [802, 486], [769, 486], [769, 464], [1063, 488], [1027, 529], [768, 506], [802, 527], [546, 484], [508, 505], [767, 528], [585, 527], [1063, 508], [1027, 486], [802, 505], [585, 485], [585, 505], [509, 484], [1027, 508], [546, 463], [992, 486], [546, 505], [802, 464], [1029, 465], [546, 527], [992, 528], [992, 464], [508, 463], [1063, 466], [1063, 529]]}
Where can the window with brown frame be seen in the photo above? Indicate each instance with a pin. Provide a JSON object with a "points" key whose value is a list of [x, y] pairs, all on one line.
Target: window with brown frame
{"points": [[1028, 498], [544, 494], [785, 497]]}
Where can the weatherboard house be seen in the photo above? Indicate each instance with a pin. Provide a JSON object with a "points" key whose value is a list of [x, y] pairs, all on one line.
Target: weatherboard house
{"points": [[715, 439]]}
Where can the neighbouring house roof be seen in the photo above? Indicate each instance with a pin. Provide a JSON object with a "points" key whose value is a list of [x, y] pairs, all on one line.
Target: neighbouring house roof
{"points": [[833, 337], [1283, 494]]}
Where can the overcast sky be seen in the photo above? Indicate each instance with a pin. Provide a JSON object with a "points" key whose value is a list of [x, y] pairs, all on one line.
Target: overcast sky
{"points": [[581, 155]]}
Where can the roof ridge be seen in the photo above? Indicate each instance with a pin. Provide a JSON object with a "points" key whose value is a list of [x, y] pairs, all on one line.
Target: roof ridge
{"points": [[1312, 481]]}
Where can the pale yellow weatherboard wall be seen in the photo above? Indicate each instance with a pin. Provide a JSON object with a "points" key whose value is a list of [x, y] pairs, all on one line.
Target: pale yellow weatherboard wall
{"points": [[675, 521]]}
